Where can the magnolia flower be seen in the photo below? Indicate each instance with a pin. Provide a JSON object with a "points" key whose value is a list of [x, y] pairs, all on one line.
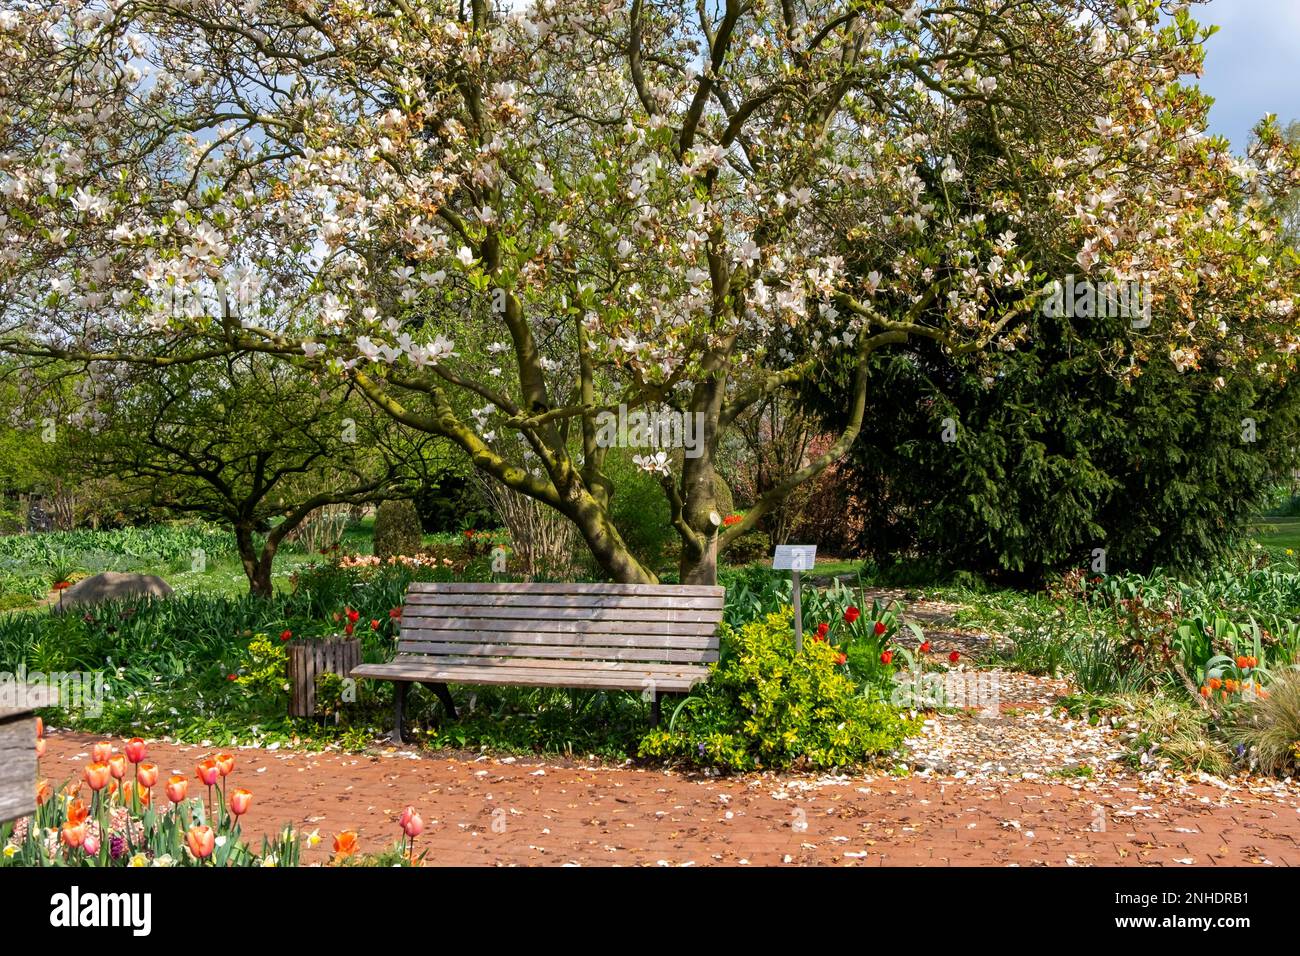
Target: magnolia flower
{"points": [[465, 256], [657, 463]]}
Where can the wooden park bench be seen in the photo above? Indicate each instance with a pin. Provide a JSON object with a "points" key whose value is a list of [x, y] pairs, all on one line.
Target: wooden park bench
{"points": [[632, 637]]}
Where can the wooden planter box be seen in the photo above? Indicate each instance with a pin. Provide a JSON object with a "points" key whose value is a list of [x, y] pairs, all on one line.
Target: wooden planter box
{"points": [[308, 660], [18, 747]]}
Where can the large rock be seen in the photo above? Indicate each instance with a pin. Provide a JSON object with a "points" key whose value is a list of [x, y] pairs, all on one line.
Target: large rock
{"points": [[113, 586]]}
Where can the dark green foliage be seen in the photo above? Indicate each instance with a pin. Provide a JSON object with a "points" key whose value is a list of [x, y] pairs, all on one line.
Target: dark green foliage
{"points": [[1057, 455], [397, 529], [449, 502], [640, 512]]}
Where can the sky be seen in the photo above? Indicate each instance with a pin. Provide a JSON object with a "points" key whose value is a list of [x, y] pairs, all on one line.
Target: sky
{"points": [[1252, 65]]}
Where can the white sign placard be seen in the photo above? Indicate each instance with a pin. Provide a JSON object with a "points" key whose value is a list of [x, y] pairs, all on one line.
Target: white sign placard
{"points": [[794, 557]]}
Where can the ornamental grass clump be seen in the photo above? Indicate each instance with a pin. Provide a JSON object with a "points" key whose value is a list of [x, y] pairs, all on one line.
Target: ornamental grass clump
{"points": [[1265, 728], [766, 707]]}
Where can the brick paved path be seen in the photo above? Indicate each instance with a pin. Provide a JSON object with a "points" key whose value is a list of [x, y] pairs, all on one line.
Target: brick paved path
{"points": [[530, 811]]}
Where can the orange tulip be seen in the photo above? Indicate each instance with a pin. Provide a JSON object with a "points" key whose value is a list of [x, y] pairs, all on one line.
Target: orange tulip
{"points": [[102, 751], [40, 747], [239, 801], [225, 764], [77, 811], [43, 792], [40, 728], [74, 834], [345, 844], [201, 841], [117, 766], [208, 772], [177, 788], [147, 774], [1215, 683], [146, 796], [1243, 662], [135, 750], [97, 775]]}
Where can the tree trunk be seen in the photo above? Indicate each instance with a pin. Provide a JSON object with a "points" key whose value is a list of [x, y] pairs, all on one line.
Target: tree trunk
{"points": [[701, 568], [607, 545], [257, 567]]}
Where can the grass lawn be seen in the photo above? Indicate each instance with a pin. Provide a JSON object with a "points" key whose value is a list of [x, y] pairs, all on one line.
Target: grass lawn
{"points": [[1278, 533]]}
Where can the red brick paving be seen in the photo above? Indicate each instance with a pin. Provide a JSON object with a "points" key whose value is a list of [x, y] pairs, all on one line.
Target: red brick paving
{"points": [[531, 811]]}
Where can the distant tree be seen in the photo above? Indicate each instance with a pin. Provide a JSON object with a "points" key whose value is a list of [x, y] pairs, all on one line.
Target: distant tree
{"points": [[248, 442]]}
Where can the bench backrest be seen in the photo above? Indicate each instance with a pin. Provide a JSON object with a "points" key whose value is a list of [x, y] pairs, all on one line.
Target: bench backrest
{"points": [[602, 622]]}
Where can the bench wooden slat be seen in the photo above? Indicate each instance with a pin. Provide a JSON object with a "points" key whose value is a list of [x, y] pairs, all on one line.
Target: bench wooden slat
{"points": [[426, 601], [575, 666], [570, 652], [508, 587], [560, 632], [583, 614], [504, 675], [564, 634]]}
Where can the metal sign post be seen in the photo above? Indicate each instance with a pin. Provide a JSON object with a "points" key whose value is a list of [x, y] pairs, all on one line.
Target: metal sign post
{"points": [[795, 558]]}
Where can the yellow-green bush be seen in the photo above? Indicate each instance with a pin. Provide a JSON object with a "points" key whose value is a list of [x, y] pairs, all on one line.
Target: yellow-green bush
{"points": [[767, 707]]}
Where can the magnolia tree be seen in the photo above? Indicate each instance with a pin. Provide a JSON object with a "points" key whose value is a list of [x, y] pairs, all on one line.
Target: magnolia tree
{"points": [[519, 228]]}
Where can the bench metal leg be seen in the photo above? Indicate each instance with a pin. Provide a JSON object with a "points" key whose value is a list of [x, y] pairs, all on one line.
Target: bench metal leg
{"points": [[654, 711], [400, 689], [444, 695]]}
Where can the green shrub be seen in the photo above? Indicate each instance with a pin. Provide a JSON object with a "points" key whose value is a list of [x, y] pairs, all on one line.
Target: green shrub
{"points": [[751, 546], [640, 511], [1266, 728], [397, 529], [767, 707]]}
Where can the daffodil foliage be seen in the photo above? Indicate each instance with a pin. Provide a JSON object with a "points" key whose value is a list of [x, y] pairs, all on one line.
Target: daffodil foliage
{"points": [[500, 222]]}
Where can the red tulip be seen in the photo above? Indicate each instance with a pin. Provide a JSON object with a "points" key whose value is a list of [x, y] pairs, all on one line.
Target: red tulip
{"points": [[925, 647], [822, 630], [880, 628], [240, 800], [374, 624], [353, 616], [954, 657], [349, 628], [841, 659], [886, 657], [134, 750], [851, 614], [286, 634], [201, 841], [395, 613]]}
